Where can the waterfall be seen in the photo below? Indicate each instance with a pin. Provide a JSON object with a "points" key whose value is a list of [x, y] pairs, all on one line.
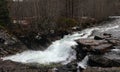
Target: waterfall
{"points": [[60, 51]]}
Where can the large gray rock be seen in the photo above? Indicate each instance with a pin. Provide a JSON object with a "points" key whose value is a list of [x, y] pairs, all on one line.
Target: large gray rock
{"points": [[109, 59], [95, 46], [103, 51], [9, 44]]}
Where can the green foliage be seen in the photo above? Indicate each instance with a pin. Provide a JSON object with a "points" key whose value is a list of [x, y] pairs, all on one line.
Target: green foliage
{"points": [[66, 23], [4, 15]]}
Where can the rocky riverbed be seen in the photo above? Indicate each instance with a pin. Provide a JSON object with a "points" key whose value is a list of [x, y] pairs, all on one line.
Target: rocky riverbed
{"points": [[103, 52], [97, 50], [9, 44]]}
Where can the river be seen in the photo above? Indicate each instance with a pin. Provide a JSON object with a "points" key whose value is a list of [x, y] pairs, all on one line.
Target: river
{"points": [[61, 50]]}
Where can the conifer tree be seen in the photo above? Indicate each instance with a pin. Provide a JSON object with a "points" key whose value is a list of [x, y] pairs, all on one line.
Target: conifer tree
{"points": [[4, 15]]}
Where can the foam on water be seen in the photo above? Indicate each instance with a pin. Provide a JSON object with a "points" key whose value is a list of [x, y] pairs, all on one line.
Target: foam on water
{"points": [[59, 51], [83, 63]]}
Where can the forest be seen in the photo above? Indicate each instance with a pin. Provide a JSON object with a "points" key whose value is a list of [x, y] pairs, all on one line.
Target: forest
{"points": [[59, 35], [56, 14]]}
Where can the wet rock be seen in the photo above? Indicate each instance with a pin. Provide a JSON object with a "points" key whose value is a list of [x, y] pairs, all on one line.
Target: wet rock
{"points": [[90, 42], [117, 47], [9, 66], [34, 43], [2, 40], [101, 61], [95, 46], [109, 59], [103, 36], [80, 53], [100, 69], [98, 38], [9, 44], [114, 42], [71, 67], [103, 51], [13, 49], [40, 41], [107, 35]]}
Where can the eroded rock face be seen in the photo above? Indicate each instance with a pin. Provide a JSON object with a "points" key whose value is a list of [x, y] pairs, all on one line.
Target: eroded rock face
{"points": [[112, 58], [103, 61], [39, 40], [103, 51], [10, 44], [94, 46]]}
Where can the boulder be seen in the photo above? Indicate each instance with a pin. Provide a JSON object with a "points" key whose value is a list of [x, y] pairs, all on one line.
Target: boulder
{"points": [[103, 51], [9, 66], [80, 53], [71, 67], [103, 36], [94, 46], [9, 44], [103, 48], [109, 59], [98, 38], [2, 40]]}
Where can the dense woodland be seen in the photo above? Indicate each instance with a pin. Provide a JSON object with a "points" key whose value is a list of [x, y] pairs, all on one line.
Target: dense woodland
{"points": [[46, 15], [59, 36]]}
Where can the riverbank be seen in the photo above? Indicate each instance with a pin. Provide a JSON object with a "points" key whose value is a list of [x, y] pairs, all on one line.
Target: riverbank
{"points": [[96, 46]]}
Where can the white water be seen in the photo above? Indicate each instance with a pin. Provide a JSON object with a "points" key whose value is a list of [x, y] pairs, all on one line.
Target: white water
{"points": [[60, 51], [83, 63]]}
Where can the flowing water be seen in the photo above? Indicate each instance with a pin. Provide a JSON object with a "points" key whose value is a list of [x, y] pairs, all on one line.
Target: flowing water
{"points": [[61, 50]]}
